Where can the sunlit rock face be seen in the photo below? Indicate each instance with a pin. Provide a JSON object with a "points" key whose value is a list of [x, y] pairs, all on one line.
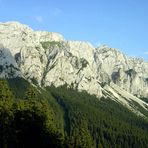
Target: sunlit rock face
{"points": [[129, 74], [46, 58]]}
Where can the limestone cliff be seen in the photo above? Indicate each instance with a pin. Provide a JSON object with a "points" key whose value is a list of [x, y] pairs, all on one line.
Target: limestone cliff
{"points": [[45, 58]]}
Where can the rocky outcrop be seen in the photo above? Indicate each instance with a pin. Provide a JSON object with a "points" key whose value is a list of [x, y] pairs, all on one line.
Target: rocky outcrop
{"points": [[8, 65], [129, 74], [46, 58]]}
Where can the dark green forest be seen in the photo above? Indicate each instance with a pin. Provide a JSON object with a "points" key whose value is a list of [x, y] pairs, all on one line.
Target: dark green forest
{"points": [[65, 118]]}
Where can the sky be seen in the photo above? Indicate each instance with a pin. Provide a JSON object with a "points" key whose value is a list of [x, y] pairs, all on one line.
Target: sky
{"points": [[121, 24]]}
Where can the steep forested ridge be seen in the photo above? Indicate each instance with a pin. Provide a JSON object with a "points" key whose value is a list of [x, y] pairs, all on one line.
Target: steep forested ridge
{"points": [[63, 117]]}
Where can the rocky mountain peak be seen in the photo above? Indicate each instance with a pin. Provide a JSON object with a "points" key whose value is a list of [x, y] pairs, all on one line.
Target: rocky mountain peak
{"points": [[46, 58]]}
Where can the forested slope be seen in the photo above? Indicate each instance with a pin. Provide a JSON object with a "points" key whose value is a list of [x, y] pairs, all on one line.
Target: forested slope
{"points": [[63, 117]]}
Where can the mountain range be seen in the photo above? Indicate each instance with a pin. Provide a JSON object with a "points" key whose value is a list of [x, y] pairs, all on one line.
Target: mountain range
{"points": [[46, 58], [47, 61]]}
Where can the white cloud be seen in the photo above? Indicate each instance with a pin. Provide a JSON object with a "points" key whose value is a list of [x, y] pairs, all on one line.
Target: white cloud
{"points": [[56, 12], [39, 19], [146, 52], [53, 13]]}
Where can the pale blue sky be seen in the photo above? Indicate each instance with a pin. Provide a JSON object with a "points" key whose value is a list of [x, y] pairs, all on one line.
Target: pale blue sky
{"points": [[121, 24]]}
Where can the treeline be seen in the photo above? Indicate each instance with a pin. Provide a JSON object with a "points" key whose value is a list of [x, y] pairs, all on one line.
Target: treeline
{"points": [[63, 117]]}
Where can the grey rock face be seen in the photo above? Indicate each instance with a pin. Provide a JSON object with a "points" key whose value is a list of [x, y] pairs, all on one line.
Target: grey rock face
{"points": [[8, 65], [46, 58], [129, 74]]}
